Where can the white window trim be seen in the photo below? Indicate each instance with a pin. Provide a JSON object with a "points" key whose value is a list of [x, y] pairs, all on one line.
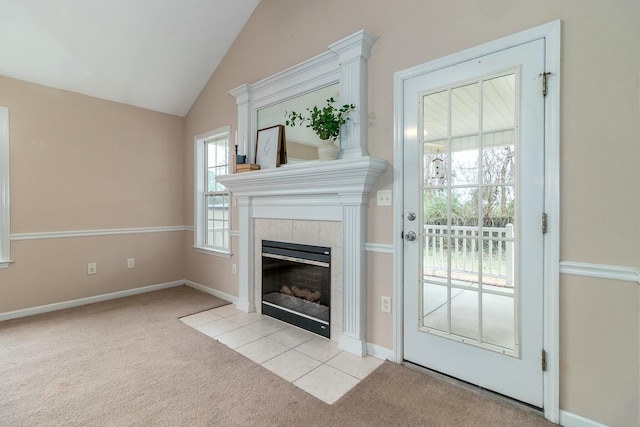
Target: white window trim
{"points": [[198, 220], [5, 222]]}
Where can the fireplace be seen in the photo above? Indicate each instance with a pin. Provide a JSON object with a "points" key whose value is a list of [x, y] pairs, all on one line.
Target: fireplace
{"points": [[322, 204], [296, 285]]}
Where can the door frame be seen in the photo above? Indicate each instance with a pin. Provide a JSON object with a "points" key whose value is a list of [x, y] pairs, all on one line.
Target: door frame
{"points": [[551, 33]]}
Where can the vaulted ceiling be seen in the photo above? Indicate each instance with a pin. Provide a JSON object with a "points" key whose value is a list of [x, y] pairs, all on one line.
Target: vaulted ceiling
{"points": [[155, 54]]}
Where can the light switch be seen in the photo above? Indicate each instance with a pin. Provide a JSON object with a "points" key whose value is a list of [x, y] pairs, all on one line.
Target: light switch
{"points": [[384, 198]]}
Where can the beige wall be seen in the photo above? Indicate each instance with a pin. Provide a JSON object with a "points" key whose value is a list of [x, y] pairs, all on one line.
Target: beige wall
{"points": [[599, 364], [80, 163], [600, 148]]}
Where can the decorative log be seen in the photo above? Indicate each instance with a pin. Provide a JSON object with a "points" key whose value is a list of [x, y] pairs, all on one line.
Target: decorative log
{"points": [[286, 290], [306, 293]]}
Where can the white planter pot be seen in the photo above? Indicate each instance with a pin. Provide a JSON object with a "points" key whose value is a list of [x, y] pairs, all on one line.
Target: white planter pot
{"points": [[327, 150]]}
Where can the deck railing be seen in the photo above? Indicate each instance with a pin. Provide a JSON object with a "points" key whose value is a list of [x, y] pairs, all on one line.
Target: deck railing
{"points": [[470, 249]]}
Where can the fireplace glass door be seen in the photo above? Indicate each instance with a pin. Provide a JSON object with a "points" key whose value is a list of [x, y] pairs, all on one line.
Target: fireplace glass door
{"points": [[296, 284]]}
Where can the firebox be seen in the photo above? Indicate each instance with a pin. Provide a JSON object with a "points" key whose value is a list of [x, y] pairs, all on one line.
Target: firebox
{"points": [[296, 285]]}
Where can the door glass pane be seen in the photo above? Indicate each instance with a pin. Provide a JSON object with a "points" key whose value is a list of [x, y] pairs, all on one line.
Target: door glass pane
{"points": [[469, 198], [464, 206], [436, 116], [435, 207], [498, 158], [498, 205], [498, 103], [464, 160], [498, 258], [435, 307], [498, 326], [493, 262], [464, 109], [464, 313], [465, 260], [435, 163], [465, 263], [436, 254]]}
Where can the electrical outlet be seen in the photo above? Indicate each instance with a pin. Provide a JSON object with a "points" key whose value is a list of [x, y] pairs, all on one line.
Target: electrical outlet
{"points": [[131, 263], [384, 198], [92, 268], [234, 268], [386, 304]]}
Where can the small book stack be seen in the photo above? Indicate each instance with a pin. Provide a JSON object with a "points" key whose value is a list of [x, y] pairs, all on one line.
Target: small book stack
{"points": [[247, 167]]}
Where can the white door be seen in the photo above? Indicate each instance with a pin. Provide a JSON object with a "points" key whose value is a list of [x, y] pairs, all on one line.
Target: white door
{"points": [[473, 199]]}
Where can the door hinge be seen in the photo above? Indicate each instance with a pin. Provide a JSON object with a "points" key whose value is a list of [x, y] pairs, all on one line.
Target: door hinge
{"points": [[544, 82], [544, 223], [544, 361]]}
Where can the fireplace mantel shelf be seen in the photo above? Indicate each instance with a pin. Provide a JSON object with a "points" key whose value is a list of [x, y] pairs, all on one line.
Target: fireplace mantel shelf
{"points": [[344, 176]]}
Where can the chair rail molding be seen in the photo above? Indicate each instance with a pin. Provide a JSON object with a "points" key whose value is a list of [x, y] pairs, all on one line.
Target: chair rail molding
{"points": [[99, 232], [601, 271]]}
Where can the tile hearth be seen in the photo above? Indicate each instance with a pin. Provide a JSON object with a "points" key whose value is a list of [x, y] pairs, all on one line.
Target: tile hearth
{"points": [[312, 363]]}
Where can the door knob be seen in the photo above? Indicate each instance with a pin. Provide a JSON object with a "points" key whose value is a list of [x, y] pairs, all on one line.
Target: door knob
{"points": [[410, 236], [411, 216]]}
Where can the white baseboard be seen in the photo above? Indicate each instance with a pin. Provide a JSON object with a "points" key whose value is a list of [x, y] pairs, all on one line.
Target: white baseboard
{"points": [[222, 295], [380, 352], [567, 419], [84, 301]]}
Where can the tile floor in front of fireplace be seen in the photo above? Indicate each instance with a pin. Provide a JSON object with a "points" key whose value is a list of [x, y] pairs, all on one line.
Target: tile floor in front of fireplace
{"points": [[314, 364]]}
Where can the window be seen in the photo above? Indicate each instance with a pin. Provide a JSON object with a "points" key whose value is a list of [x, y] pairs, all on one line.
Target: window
{"points": [[212, 219], [5, 257]]}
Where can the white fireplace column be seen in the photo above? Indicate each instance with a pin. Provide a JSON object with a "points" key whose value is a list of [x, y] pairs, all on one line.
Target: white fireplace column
{"points": [[246, 301], [354, 283], [353, 55], [243, 96]]}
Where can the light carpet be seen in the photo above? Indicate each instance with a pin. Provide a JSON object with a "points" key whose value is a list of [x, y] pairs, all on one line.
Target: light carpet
{"points": [[131, 362]]}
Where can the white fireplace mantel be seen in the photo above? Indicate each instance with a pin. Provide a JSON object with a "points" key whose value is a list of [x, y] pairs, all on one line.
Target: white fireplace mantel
{"points": [[315, 191], [318, 191]]}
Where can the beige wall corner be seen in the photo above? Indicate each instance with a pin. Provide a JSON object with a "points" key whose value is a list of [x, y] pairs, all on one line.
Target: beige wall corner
{"points": [[80, 163], [599, 359], [380, 283], [50, 271]]}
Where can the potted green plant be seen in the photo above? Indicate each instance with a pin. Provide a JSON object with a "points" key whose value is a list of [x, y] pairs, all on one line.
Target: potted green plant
{"points": [[325, 122]]}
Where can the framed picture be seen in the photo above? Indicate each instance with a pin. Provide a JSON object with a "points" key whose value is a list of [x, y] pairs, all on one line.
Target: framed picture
{"points": [[270, 147]]}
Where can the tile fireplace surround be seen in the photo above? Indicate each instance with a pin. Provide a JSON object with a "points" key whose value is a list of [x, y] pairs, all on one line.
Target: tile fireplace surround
{"points": [[319, 203], [317, 233]]}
